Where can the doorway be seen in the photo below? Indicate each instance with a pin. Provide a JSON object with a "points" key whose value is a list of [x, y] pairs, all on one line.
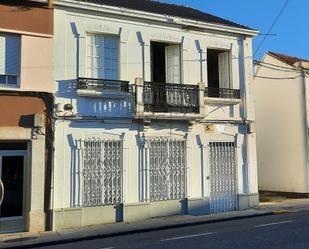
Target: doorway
{"points": [[12, 191], [222, 177]]}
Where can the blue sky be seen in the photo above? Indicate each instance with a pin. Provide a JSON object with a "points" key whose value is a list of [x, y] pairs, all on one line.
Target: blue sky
{"points": [[292, 29]]}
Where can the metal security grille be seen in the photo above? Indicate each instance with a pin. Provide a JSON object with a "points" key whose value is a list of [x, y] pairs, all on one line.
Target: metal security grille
{"points": [[167, 169], [102, 172], [223, 186]]}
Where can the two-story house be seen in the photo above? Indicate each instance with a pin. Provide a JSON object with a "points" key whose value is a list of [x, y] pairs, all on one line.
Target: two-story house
{"points": [[26, 104], [282, 92], [154, 112]]}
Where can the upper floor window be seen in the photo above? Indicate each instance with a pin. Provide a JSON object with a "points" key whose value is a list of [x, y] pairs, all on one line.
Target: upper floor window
{"points": [[9, 59], [218, 68], [165, 63], [102, 57]]}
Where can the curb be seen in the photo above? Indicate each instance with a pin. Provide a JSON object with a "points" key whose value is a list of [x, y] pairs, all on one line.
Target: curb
{"points": [[135, 231]]}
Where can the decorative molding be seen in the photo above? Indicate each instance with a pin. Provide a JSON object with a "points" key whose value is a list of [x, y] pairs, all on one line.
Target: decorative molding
{"points": [[219, 45], [103, 28], [164, 36]]}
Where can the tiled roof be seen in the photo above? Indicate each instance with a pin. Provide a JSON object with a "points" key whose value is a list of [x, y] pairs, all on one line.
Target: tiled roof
{"points": [[287, 59], [166, 9]]}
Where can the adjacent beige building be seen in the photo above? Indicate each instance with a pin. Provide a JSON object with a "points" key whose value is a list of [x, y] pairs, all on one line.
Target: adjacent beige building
{"points": [[281, 95]]}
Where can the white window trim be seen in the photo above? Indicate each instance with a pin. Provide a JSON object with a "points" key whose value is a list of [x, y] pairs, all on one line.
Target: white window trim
{"points": [[89, 33], [181, 63], [230, 62], [18, 76]]}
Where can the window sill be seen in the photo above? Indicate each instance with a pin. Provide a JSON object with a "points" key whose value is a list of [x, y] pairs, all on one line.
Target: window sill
{"points": [[169, 116], [221, 101], [102, 94], [9, 87]]}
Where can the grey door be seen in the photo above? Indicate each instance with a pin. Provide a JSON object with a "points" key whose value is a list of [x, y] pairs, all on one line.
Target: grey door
{"points": [[222, 177]]}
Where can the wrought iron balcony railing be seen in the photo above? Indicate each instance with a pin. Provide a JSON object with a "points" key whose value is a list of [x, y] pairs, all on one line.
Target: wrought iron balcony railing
{"points": [[165, 97], [223, 93], [103, 84]]}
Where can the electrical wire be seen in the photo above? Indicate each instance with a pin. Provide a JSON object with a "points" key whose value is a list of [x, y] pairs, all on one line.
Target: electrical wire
{"points": [[273, 78], [274, 65], [271, 27]]}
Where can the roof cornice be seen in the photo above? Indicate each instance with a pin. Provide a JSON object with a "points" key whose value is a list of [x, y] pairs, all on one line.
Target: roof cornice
{"points": [[155, 17]]}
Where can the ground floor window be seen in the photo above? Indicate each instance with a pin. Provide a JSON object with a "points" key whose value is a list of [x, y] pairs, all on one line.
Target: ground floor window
{"points": [[102, 172], [167, 169]]}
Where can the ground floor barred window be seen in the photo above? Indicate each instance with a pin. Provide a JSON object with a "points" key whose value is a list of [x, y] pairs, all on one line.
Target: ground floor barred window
{"points": [[167, 168], [102, 172]]}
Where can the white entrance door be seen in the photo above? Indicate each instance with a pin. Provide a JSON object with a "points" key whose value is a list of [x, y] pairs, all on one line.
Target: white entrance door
{"points": [[12, 191], [222, 177]]}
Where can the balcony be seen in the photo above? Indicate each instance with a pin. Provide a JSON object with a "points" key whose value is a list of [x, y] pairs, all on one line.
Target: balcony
{"points": [[90, 87], [169, 101], [222, 96]]}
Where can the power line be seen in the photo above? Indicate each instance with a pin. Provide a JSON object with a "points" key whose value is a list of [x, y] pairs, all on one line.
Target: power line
{"points": [[275, 67], [271, 27], [274, 78]]}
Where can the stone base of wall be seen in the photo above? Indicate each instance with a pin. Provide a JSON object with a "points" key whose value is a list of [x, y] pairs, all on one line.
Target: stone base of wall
{"points": [[79, 217], [198, 206], [142, 211], [246, 201], [35, 221]]}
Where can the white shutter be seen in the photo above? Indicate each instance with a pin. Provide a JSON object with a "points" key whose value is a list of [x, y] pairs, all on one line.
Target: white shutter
{"points": [[172, 61], [89, 56], [2, 54], [224, 70], [102, 57], [94, 56]]}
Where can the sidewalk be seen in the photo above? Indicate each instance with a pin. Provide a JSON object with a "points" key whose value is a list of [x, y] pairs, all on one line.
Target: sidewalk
{"points": [[27, 240]]}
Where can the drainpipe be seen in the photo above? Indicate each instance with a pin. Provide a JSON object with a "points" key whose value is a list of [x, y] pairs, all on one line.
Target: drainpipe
{"points": [[246, 189]]}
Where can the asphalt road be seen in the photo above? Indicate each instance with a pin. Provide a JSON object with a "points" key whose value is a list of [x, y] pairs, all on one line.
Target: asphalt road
{"points": [[285, 231]]}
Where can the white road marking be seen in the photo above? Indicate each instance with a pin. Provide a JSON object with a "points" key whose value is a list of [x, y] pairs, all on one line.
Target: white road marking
{"points": [[108, 248], [186, 237], [275, 223]]}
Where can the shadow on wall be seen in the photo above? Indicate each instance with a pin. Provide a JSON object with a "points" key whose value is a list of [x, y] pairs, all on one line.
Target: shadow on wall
{"points": [[96, 106], [26, 121]]}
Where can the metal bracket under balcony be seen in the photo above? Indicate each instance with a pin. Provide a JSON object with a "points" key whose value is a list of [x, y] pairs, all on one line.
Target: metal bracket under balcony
{"points": [[90, 87], [167, 98], [222, 96]]}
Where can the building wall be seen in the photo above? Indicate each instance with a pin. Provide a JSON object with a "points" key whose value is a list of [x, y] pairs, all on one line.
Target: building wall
{"points": [[70, 37], [17, 110], [281, 136], [68, 132], [106, 117], [36, 63], [33, 22], [26, 16]]}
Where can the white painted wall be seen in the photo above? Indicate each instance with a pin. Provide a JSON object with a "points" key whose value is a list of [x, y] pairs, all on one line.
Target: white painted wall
{"points": [[131, 33], [281, 132], [134, 37], [68, 132]]}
